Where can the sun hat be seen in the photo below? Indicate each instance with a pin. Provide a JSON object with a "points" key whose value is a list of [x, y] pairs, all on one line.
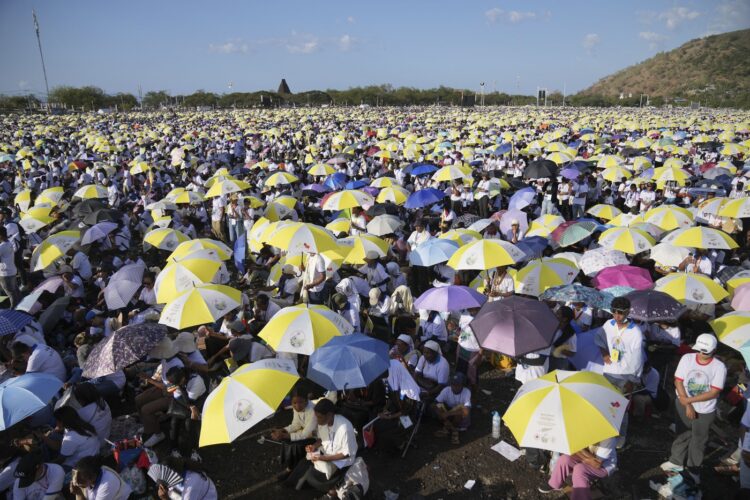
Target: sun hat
{"points": [[705, 343]]}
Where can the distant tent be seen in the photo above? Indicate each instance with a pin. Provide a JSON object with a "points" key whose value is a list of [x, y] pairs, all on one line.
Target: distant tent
{"points": [[283, 87]]}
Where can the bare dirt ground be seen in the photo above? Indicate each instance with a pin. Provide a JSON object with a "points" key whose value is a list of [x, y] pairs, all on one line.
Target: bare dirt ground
{"points": [[436, 469]]}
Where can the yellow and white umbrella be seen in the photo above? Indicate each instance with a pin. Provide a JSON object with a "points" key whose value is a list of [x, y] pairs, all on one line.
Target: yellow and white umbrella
{"points": [[733, 329], [602, 211], [627, 240], [451, 172], [225, 187], [300, 237], [691, 287], [35, 219], [384, 182], [541, 274], [736, 209], [303, 328], [670, 173], [183, 274], [668, 217], [461, 236], [340, 225], [321, 169], [700, 237], [23, 199], [51, 195], [90, 192], [280, 179], [164, 238], [189, 198], [738, 280], [565, 411], [608, 161], [53, 248], [486, 254], [393, 194], [361, 244], [349, 198], [615, 173], [200, 305], [185, 248], [245, 398]]}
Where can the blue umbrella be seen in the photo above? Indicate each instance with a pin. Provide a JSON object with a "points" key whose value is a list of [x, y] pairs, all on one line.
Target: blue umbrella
{"points": [[358, 184], [575, 292], [335, 181], [423, 169], [433, 251], [570, 173], [476, 163], [533, 246], [503, 148], [12, 321], [580, 165], [522, 199], [23, 396], [424, 197], [575, 144], [348, 362]]}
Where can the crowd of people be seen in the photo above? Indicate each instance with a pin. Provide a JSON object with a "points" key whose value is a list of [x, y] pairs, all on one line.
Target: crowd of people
{"points": [[109, 221]]}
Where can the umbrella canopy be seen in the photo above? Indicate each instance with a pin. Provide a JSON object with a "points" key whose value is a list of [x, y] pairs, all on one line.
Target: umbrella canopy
{"points": [[631, 276], [593, 261], [460, 236], [540, 169], [21, 397], [225, 187], [450, 298], [200, 305], [733, 329], [514, 326], [348, 362], [299, 237], [669, 217], [283, 178], [700, 237], [522, 199], [54, 247], [384, 224], [486, 254], [606, 212], [101, 215], [360, 245], [575, 292], [668, 255], [424, 197], [565, 411], [188, 247], [123, 285], [91, 192], [741, 298], [97, 232], [533, 246], [164, 238], [12, 321], [123, 348], [184, 273], [692, 287], [246, 397], [627, 240], [653, 305], [349, 198], [736, 209], [433, 251], [303, 328], [393, 194], [539, 275], [571, 232]]}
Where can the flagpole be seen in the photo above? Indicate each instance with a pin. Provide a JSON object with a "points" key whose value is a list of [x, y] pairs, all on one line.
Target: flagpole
{"points": [[41, 54]]}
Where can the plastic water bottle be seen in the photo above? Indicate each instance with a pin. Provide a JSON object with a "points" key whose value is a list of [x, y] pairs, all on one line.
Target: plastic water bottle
{"points": [[495, 425]]}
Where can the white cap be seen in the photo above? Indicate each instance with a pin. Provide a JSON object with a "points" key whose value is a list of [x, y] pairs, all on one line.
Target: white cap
{"points": [[374, 296], [705, 343]]}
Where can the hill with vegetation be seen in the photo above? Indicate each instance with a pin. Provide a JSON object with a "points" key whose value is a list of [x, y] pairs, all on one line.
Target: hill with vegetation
{"points": [[712, 70]]}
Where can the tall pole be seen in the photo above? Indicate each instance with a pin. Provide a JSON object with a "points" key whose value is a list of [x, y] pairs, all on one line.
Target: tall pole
{"points": [[41, 54]]}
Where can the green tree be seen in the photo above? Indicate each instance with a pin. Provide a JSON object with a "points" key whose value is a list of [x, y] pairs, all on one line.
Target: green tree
{"points": [[88, 98], [200, 98], [154, 99]]}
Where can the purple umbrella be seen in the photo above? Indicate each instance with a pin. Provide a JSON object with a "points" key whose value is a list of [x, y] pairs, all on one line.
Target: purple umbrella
{"points": [[634, 277], [123, 348], [515, 326], [570, 173], [653, 305], [372, 191], [522, 198], [741, 298], [450, 298], [511, 215]]}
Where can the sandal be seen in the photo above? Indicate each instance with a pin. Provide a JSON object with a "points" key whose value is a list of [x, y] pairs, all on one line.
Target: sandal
{"points": [[727, 470], [454, 438], [442, 433]]}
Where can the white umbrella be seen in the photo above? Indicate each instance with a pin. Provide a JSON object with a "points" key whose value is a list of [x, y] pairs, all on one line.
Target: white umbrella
{"points": [[98, 231], [668, 255], [123, 285], [595, 260], [384, 224]]}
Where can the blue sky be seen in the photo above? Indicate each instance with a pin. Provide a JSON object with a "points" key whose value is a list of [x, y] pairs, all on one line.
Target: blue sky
{"points": [[182, 46]]}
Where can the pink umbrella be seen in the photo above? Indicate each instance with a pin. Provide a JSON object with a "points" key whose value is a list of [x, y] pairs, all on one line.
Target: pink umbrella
{"points": [[630, 276], [741, 299]]}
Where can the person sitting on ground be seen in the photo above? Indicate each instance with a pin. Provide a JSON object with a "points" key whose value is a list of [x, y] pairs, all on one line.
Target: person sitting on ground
{"points": [[432, 370], [92, 481], [79, 438], [295, 436], [36, 479], [596, 461], [189, 393], [403, 350], [195, 482], [452, 407]]}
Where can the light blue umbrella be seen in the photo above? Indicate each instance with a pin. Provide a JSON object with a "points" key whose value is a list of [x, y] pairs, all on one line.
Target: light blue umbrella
{"points": [[348, 362], [433, 251], [522, 199], [23, 396]]}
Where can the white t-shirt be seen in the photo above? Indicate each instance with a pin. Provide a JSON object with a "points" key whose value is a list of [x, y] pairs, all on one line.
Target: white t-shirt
{"points": [[110, 486], [45, 359], [197, 487], [438, 370], [76, 446], [50, 485], [698, 378], [451, 399], [100, 418], [628, 342], [315, 266]]}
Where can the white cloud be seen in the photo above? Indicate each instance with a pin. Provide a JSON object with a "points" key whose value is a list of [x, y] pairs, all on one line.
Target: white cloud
{"points": [[654, 39], [493, 14], [350, 19], [23, 84], [346, 42], [676, 16], [729, 15], [515, 16], [302, 43], [230, 47], [590, 42]]}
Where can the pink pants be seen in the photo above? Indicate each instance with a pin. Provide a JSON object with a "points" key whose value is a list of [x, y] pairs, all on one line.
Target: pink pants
{"points": [[582, 473]]}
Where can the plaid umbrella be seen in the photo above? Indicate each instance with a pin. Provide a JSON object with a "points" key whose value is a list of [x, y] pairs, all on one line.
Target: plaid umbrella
{"points": [[12, 321], [123, 348], [728, 273], [652, 305], [575, 292]]}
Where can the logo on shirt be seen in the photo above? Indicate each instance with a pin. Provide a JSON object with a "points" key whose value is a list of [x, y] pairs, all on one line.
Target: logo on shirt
{"points": [[696, 383], [243, 410]]}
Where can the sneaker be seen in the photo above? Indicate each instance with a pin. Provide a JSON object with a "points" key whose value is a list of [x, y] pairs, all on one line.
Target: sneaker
{"points": [[195, 457], [670, 467], [154, 440], [547, 489]]}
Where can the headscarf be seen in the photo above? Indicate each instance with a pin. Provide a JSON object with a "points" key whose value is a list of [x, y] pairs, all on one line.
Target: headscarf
{"points": [[346, 286], [399, 379], [402, 299]]}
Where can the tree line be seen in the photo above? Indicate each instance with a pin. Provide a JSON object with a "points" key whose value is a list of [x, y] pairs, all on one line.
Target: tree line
{"points": [[90, 98]]}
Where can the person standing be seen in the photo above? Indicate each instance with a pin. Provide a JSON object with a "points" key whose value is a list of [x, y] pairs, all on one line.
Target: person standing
{"points": [[8, 270], [698, 381]]}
